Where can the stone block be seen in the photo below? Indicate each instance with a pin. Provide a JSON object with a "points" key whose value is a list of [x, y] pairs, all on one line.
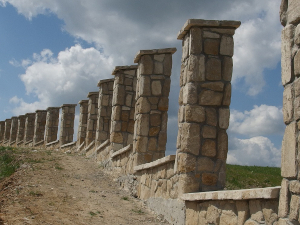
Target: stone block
{"points": [[190, 138], [211, 46], [144, 86], [297, 108], [251, 222], [213, 69], [226, 47], [213, 215], [194, 113], [205, 164], [188, 183], [153, 131], [155, 119], [208, 97], [159, 58], [209, 148], [227, 66], [209, 132], [228, 217], [224, 115], [143, 105], [294, 207], [186, 163], [116, 137], [196, 68], [142, 124], [287, 36], [296, 87], [141, 144], [158, 68], [166, 87], [288, 158], [195, 45], [191, 213], [293, 11], [208, 34], [211, 116], [168, 65], [288, 104], [162, 140], [152, 144], [156, 88], [185, 47], [163, 104], [297, 64], [146, 65], [227, 95], [294, 186], [190, 94]]}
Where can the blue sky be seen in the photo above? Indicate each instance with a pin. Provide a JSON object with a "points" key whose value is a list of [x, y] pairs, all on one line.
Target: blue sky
{"points": [[54, 52]]}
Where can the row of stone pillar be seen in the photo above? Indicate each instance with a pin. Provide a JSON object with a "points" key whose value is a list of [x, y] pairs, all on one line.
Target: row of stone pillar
{"points": [[40, 127], [132, 107]]}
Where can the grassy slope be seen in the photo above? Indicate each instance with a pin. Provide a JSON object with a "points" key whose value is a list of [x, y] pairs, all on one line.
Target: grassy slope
{"points": [[238, 177], [244, 177]]}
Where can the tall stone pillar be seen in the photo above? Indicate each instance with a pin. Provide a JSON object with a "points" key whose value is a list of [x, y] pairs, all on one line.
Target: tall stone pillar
{"points": [[7, 130], [104, 110], [92, 117], [29, 127], [290, 74], [21, 129], [152, 102], [52, 120], [81, 135], [39, 126], [13, 130], [205, 94], [67, 123], [2, 130], [123, 107]]}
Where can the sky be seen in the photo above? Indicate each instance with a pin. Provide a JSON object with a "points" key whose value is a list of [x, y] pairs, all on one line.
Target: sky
{"points": [[54, 52]]}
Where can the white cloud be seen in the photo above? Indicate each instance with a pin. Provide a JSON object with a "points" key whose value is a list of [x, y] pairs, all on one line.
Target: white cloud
{"points": [[65, 79], [121, 28], [258, 151], [261, 120]]}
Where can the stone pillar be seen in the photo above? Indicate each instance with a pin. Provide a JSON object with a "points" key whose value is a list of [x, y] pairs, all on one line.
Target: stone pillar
{"points": [[204, 99], [92, 117], [67, 123], [123, 107], [7, 130], [2, 130], [152, 102], [13, 129], [29, 127], [39, 126], [290, 72], [81, 135], [21, 128], [104, 110], [52, 120]]}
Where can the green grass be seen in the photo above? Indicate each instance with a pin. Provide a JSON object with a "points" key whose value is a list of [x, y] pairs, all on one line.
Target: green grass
{"points": [[8, 163], [244, 177]]}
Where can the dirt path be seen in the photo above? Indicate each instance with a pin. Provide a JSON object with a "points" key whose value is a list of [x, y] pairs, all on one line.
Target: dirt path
{"points": [[52, 187]]}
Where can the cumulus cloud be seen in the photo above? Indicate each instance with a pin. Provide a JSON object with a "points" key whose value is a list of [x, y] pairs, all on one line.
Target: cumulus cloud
{"points": [[258, 151], [121, 28], [66, 78], [261, 120]]}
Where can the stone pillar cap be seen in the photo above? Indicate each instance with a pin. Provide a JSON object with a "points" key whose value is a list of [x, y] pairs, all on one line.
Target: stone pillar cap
{"points": [[28, 114], [83, 101], [53, 108], [40, 110], [21, 116], [68, 105], [14, 117], [118, 68], [153, 52], [7, 120], [105, 81], [93, 93], [230, 24], [2, 121]]}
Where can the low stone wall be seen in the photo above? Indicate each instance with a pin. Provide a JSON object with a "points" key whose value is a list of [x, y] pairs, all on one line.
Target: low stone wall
{"points": [[249, 207], [122, 160]]}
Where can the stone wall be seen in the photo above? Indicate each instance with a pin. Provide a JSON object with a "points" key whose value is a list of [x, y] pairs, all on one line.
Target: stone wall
{"points": [[290, 63]]}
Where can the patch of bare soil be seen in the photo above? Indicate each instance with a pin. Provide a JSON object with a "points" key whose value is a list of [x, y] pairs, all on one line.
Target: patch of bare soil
{"points": [[52, 187]]}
